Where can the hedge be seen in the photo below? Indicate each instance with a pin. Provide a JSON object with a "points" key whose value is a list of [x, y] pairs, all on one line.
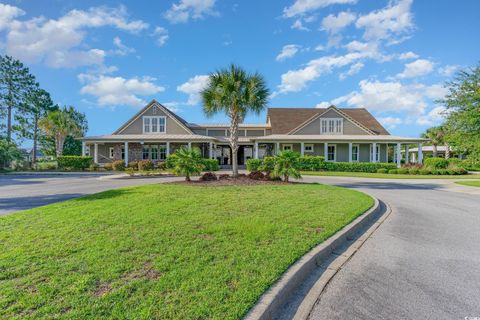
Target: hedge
{"points": [[358, 166], [209, 164], [311, 163], [436, 163], [254, 164], [74, 162]]}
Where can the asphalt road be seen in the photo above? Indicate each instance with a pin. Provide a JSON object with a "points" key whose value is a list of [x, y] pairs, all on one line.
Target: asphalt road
{"points": [[422, 263]]}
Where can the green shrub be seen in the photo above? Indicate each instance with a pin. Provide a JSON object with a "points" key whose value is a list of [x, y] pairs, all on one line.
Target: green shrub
{"points": [[311, 163], [268, 164], [133, 165], [392, 171], [74, 162], [171, 161], [118, 165], [108, 166], [358, 166], [144, 165], [470, 165], [441, 172], [46, 165], [254, 164], [382, 170], [93, 167], [459, 170], [402, 171], [413, 171], [435, 163], [435, 172], [424, 171], [188, 163], [210, 165], [454, 163], [161, 165], [286, 165], [130, 171]]}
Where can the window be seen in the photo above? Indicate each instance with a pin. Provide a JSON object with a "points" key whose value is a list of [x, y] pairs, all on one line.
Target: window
{"points": [[111, 152], [331, 126], [162, 152], [123, 153], [87, 151], [153, 124], [145, 152], [308, 148], [287, 147], [377, 153], [154, 152], [355, 152], [331, 152]]}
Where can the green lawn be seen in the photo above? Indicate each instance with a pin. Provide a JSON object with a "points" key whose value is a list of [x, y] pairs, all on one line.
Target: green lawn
{"points": [[163, 251], [385, 175], [469, 183]]}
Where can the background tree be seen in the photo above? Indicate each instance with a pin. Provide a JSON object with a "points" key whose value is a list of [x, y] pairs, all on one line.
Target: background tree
{"points": [[61, 123], [436, 135], [463, 107], [8, 152], [234, 92], [37, 104], [15, 84], [286, 165]]}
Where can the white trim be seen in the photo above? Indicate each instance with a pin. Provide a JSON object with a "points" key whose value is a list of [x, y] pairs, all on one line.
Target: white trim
{"points": [[358, 152], [309, 145], [111, 152], [150, 126], [287, 145], [334, 145], [328, 127]]}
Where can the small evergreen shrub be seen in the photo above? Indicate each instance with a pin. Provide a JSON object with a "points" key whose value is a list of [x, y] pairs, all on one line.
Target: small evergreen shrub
{"points": [[382, 170], [311, 163], [358, 166], [413, 171], [435, 163], [211, 165], [268, 164], [424, 171], [392, 171], [254, 164], [133, 165], [118, 165], [402, 171], [171, 161], [145, 165], [74, 162]]}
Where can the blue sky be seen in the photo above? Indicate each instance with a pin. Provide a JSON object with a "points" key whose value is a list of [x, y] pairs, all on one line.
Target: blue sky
{"points": [[109, 59]]}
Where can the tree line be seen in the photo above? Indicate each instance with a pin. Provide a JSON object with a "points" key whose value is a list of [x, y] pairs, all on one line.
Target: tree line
{"points": [[28, 113]]}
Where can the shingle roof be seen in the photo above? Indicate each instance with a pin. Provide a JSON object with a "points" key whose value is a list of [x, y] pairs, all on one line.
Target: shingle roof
{"points": [[284, 120]]}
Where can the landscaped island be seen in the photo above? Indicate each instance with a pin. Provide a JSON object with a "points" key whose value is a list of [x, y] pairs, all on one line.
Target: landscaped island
{"points": [[169, 251]]}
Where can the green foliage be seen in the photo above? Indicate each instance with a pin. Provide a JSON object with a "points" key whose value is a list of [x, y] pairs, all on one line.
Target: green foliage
{"points": [[424, 171], [254, 164], [358, 166], [268, 164], [312, 163], [144, 165], [435, 163], [9, 152], [189, 162], [393, 171], [287, 165], [210, 165], [402, 171], [118, 165], [382, 170], [413, 171], [436, 135], [171, 161], [72, 147], [74, 162]]}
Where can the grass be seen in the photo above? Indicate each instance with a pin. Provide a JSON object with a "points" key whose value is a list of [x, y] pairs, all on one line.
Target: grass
{"points": [[469, 183], [163, 251], [385, 175]]}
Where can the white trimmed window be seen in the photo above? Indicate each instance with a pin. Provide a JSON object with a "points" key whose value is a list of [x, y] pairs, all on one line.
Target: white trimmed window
{"points": [[286, 147], [123, 153], [331, 126], [308, 147], [146, 152], [355, 152], [154, 124], [331, 152], [111, 152], [162, 152], [377, 153]]}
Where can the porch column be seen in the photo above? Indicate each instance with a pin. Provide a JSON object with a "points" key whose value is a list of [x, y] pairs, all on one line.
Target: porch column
{"points": [[420, 153], [277, 148], [374, 152], [126, 153], [210, 150], [350, 152], [325, 151], [302, 149], [84, 145], [386, 152], [95, 156], [189, 145], [256, 150], [406, 154], [399, 155], [168, 148]]}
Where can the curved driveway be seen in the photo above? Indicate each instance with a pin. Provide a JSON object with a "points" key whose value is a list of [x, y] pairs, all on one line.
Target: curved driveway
{"points": [[423, 262]]}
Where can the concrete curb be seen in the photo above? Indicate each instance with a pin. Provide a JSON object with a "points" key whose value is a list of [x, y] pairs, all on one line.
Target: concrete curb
{"points": [[55, 173], [270, 304]]}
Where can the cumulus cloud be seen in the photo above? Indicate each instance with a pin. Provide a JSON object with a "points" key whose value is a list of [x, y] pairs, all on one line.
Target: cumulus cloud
{"points": [[185, 10], [60, 43], [448, 70], [390, 122], [435, 116], [300, 7], [298, 24], [288, 51], [162, 35], [118, 91], [354, 69], [193, 87], [407, 55], [333, 24], [7, 14], [416, 68], [121, 49]]}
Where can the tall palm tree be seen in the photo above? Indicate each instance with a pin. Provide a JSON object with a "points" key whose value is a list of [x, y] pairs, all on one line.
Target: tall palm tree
{"points": [[436, 136], [236, 93], [60, 124]]}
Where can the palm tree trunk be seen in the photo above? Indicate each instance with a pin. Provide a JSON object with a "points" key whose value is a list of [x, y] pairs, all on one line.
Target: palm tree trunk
{"points": [[59, 141], [35, 136], [234, 122], [434, 150], [447, 151]]}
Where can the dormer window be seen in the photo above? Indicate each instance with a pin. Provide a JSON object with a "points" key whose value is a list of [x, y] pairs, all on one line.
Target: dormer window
{"points": [[331, 125], [154, 124]]}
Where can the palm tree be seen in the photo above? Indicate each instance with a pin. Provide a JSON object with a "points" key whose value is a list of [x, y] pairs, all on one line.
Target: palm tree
{"points": [[286, 165], [436, 137], [60, 124], [234, 92], [188, 162]]}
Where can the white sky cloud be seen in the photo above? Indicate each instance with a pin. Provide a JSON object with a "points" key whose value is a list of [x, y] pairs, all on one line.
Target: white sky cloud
{"points": [[333, 24], [390, 122], [435, 116], [121, 49], [162, 35], [407, 55], [193, 87], [354, 69], [185, 10], [416, 68], [300, 7], [288, 51], [60, 43], [7, 14], [448, 70], [118, 91], [298, 24]]}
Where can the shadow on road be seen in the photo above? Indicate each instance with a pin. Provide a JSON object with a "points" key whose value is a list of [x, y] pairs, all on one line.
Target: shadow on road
{"points": [[9, 205]]}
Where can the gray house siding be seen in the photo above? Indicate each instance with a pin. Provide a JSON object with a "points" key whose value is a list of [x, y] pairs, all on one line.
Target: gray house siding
{"points": [[136, 127], [348, 126]]}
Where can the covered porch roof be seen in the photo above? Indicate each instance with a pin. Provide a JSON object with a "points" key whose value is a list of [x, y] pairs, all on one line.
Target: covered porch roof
{"points": [[148, 138], [338, 138]]}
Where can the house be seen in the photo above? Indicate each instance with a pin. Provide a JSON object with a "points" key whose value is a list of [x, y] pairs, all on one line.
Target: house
{"points": [[441, 152], [339, 134], [40, 156]]}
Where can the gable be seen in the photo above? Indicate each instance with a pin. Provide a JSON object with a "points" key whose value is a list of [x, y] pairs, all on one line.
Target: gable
{"points": [[174, 124]]}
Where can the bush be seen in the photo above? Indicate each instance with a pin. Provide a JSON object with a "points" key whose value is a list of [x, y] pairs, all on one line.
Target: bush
{"points": [[311, 163], [268, 164], [171, 161], [358, 166], [435, 163], [118, 165], [46, 165], [286, 165], [108, 166], [144, 165], [402, 171], [392, 171], [256, 175], [382, 170], [208, 176], [210, 165], [413, 171], [459, 170], [74, 162], [188, 163], [161, 165], [130, 171], [254, 164], [133, 165], [93, 167], [454, 163], [442, 172], [424, 171]]}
